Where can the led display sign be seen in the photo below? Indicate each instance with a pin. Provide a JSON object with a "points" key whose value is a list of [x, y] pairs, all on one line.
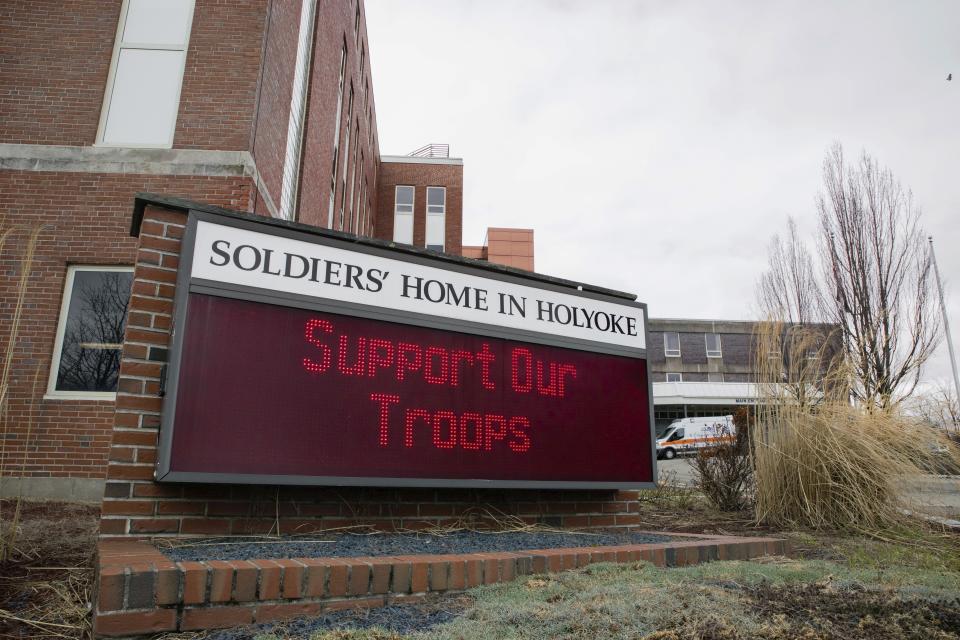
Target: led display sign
{"points": [[300, 358]]}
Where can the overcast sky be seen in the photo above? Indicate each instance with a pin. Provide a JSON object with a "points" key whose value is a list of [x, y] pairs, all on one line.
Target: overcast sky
{"points": [[656, 146]]}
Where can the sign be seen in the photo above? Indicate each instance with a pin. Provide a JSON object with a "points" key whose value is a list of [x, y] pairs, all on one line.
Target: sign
{"points": [[296, 267], [303, 358]]}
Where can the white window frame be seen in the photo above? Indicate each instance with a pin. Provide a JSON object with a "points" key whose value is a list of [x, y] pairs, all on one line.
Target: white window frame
{"points": [[667, 352], [346, 161], [679, 377], [718, 352], [338, 119], [290, 181], [52, 392], [351, 225], [411, 213], [436, 214], [118, 45]]}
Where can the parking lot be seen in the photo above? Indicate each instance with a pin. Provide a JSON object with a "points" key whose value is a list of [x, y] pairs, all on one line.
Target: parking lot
{"points": [[678, 470]]}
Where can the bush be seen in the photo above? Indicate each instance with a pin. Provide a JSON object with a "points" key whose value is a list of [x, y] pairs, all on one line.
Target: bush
{"points": [[724, 473]]}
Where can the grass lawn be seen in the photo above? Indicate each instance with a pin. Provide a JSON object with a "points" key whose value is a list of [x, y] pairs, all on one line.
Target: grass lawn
{"points": [[778, 599], [838, 587]]}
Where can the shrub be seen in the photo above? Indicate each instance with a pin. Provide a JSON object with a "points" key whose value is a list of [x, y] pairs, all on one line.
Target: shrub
{"points": [[723, 473]]}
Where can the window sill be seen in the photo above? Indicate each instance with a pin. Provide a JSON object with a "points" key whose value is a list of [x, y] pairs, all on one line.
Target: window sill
{"points": [[94, 396], [131, 145]]}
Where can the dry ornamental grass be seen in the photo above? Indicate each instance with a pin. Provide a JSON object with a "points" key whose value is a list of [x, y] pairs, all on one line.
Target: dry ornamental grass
{"points": [[45, 585], [821, 461]]}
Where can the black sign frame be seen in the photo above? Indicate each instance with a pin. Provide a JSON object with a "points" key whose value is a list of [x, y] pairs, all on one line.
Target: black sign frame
{"points": [[186, 284]]}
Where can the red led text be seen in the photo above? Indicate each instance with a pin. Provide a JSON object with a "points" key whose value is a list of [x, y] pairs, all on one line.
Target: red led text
{"points": [[379, 360], [443, 429]]}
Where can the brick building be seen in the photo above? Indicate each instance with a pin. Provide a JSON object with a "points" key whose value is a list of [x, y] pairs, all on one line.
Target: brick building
{"points": [[708, 367], [255, 105]]}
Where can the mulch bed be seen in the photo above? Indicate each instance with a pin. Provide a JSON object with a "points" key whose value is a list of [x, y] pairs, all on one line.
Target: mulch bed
{"points": [[351, 545]]}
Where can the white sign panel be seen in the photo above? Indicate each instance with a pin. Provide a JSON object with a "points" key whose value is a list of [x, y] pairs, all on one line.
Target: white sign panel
{"points": [[248, 258]]}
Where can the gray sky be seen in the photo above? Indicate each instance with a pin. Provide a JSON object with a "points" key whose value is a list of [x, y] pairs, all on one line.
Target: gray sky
{"points": [[655, 147]]}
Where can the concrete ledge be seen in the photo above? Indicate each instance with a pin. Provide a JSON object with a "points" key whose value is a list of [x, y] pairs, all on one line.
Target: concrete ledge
{"points": [[202, 162], [139, 591], [419, 160], [69, 489]]}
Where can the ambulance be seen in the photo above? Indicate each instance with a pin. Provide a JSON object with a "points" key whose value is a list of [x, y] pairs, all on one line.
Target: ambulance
{"points": [[686, 435]]}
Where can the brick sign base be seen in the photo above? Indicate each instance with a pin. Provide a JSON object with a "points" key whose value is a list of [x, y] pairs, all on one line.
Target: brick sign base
{"points": [[135, 506], [140, 591]]}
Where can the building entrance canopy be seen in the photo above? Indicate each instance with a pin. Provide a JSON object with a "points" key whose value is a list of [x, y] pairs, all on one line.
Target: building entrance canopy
{"points": [[710, 393]]}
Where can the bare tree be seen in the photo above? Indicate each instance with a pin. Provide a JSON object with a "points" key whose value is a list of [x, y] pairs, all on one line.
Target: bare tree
{"points": [[877, 277], [870, 281], [795, 351], [789, 292], [938, 407]]}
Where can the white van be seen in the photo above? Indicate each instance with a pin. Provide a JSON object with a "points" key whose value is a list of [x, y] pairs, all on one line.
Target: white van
{"points": [[686, 435]]}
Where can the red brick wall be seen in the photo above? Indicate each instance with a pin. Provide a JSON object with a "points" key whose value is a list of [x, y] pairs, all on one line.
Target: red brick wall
{"points": [[54, 56], [335, 25], [135, 505], [273, 100], [217, 98], [421, 176], [88, 218]]}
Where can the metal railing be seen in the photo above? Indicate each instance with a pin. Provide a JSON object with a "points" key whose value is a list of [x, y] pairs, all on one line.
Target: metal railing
{"points": [[432, 151]]}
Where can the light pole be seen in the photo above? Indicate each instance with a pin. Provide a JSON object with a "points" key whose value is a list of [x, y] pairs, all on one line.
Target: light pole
{"points": [[946, 322]]}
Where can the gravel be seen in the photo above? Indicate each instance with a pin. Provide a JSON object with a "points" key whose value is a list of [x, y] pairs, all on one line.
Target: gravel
{"points": [[348, 545], [400, 619]]}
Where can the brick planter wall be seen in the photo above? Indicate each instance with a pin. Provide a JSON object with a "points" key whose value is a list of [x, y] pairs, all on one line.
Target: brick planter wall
{"points": [[136, 506], [140, 591]]}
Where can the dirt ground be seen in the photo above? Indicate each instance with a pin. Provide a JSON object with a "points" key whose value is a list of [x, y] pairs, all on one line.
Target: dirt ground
{"points": [[902, 584], [45, 586]]}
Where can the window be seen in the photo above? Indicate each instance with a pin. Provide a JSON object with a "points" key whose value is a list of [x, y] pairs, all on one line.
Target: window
{"points": [[86, 356], [403, 215], [715, 377], [143, 88], [356, 24], [678, 434], [356, 220], [336, 136], [353, 180], [713, 345], [346, 160], [674, 377], [671, 344], [436, 217], [290, 181]]}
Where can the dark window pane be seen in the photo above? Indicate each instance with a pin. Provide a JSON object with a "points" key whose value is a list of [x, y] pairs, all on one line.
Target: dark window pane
{"points": [[405, 195], [436, 196], [93, 334]]}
